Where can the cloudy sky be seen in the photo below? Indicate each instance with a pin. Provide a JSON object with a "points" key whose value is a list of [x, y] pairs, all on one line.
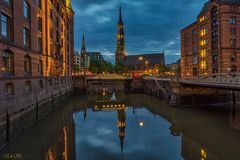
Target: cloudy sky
{"points": [[150, 25]]}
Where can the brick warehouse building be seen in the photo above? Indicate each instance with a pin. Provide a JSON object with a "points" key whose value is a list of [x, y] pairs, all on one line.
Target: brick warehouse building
{"points": [[212, 43], [36, 50]]}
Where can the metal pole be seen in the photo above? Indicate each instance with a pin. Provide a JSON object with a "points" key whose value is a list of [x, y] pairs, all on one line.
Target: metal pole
{"points": [[234, 99], [60, 96], [52, 101], [7, 126], [36, 109]]}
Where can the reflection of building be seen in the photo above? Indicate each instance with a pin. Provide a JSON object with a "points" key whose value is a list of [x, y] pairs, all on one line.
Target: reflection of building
{"points": [[121, 115], [95, 56], [120, 51], [211, 44], [144, 61]]}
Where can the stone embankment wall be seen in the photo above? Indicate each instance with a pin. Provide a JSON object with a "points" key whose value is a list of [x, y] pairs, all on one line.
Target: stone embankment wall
{"points": [[20, 111]]}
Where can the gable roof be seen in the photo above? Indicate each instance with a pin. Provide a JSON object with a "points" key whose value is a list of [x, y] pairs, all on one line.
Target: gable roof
{"points": [[207, 5]]}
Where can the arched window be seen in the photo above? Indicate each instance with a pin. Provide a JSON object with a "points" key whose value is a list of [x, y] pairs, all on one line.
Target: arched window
{"points": [[8, 63], [233, 68], [40, 84], [194, 71], [40, 67], [28, 87], [9, 89], [27, 65], [233, 57], [214, 12]]}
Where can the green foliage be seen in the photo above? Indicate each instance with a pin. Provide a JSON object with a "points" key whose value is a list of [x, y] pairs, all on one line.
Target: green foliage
{"points": [[120, 68], [76, 68], [162, 69], [99, 66]]}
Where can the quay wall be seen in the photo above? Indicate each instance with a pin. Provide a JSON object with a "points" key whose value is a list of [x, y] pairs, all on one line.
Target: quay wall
{"points": [[20, 111]]}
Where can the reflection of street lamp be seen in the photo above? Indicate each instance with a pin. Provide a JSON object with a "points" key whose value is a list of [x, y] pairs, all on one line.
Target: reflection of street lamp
{"points": [[141, 124]]}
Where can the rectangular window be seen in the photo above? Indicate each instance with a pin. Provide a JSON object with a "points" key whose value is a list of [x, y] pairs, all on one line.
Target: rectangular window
{"points": [[39, 23], [9, 89], [204, 42], [7, 1], [40, 67], [233, 42], [28, 87], [233, 31], [233, 57], [204, 64], [27, 64], [39, 44], [203, 53], [39, 3], [5, 26], [215, 59], [233, 20], [26, 10], [26, 38]]}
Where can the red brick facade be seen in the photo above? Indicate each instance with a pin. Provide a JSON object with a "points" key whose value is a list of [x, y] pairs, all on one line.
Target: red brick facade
{"points": [[41, 59], [212, 43]]}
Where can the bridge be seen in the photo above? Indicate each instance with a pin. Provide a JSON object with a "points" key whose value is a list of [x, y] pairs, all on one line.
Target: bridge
{"points": [[178, 92], [222, 80]]}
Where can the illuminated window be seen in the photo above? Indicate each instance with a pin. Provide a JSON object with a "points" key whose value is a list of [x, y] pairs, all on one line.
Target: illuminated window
{"points": [[204, 64], [202, 18], [204, 42], [8, 62], [203, 53], [204, 32]]}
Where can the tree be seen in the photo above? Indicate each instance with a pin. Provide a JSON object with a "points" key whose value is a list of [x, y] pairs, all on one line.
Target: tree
{"points": [[162, 69], [76, 68], [120, 68]]}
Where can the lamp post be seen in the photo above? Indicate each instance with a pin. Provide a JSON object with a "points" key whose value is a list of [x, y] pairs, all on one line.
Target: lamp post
{"points": [[139, 59], [146, 63]]}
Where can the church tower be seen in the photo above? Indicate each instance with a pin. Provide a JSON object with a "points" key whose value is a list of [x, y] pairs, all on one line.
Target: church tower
{"points": [[83, 53], [120, 51]]}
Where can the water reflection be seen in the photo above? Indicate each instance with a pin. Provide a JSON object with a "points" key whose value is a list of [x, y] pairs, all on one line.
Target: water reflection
{"points": [[119, 126]]}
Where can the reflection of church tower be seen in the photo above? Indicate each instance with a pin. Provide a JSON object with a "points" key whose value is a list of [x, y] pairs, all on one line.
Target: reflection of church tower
{"points": [[121, 126], [83, 53], [120, 52]]}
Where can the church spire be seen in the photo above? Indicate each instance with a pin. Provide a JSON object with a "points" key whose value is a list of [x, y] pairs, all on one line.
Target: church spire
{"points": [[120, 50], [120, 15], [83, 45], [83, 52]]}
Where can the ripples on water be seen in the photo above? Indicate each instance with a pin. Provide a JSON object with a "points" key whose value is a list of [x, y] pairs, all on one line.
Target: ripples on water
{"points": [[129, 127]]}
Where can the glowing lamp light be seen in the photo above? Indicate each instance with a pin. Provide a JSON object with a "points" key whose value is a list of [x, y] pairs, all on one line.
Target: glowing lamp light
{"points": [[141, 124]]}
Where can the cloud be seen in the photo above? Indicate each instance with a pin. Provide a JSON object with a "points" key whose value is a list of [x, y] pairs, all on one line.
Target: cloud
{"points": [[150, 26]]}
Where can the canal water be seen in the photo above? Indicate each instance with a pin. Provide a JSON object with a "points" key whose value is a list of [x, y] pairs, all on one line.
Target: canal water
{"points": [[129, 127]]}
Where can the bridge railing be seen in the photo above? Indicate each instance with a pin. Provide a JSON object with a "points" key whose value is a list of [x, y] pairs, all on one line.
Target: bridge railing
{"points": [[220, 78]]}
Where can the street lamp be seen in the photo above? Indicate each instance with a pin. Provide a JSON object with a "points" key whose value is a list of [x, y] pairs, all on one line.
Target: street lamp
{"points": [[139, 59], [146, 63]]}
